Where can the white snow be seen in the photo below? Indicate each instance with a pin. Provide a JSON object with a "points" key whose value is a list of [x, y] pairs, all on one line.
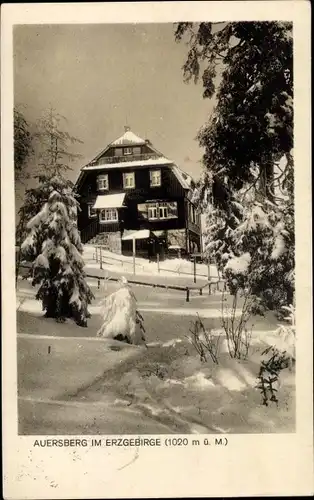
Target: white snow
{"points": [[135, 163], [60, 254], [229, 379], [38, 217], [256, 218], [28, 242], [171, 343], [206, 313], [128, 138], [142, 234], [283, 339], [75, 296], [184, 178], [169, 267], [279, 247], [198, 381], [109, 200], [119, 316], [41, 261], [239, 265]]}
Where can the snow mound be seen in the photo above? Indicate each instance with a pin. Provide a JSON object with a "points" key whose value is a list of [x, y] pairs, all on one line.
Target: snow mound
{"points": [[198, 381], [120, 316]]}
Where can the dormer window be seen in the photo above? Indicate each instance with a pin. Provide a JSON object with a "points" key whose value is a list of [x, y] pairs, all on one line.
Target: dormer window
{"points": [[127, 151], [102, 182], [155, 178]]}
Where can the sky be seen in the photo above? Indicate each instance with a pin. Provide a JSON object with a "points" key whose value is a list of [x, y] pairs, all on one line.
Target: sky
{"points": [[103, 77]]}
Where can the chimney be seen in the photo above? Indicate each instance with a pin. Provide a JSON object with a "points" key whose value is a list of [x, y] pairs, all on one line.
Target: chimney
{"points": [[126, 128]]}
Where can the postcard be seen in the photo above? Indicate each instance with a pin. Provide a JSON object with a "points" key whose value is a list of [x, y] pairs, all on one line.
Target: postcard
{"points": [[156, 249]]}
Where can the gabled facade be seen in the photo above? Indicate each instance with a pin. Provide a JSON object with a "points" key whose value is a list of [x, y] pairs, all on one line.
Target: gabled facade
{"points": [[130, 186]]}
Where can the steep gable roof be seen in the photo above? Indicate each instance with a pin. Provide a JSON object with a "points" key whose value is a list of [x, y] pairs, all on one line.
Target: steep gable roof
{"points": [[131, 139], [128, 138], [184, 178]]}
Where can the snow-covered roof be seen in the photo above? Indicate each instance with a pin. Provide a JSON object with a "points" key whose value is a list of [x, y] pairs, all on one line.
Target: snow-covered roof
{"points": [[184, 178], [135, 163], [142, 234], [174, 247], [128, 138], [109, 201]]}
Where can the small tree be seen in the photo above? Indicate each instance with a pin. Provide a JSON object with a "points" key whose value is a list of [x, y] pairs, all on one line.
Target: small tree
{"points": [[121, 319], [54, 246]]}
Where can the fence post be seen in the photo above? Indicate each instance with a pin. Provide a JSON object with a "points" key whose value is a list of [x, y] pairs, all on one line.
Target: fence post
{"points": [[98, 283], [100, 257], [209, 288], [194, 269], [134, 251], [187, 294], [201, 291], [208, 268], [158, 263]]}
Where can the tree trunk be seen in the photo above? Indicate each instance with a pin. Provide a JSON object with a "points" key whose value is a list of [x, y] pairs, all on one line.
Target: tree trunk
{"points": [[266, 181]]}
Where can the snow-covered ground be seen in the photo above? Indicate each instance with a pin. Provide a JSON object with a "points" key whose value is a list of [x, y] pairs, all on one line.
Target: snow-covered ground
{"points": [[169, 267], [87, 385]]}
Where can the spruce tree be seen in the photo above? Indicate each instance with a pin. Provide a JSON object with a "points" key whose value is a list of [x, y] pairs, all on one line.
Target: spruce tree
{"points": [[52, 242], [246, 189]]}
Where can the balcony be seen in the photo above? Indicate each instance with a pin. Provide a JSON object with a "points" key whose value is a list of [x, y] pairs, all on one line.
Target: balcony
{"points": [[105, 160]]}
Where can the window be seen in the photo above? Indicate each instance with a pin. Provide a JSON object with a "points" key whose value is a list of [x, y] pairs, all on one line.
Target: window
{"points": [[155, 178], [92, 212], [163, 211], [108, 215], [102, 182], [152, 211], [159, 210], [127, 151], [128, 180]]}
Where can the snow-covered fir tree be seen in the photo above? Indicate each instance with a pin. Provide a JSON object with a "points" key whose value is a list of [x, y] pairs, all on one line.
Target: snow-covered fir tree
{"points": [[48, 230], [246, 189], [54, 247]]}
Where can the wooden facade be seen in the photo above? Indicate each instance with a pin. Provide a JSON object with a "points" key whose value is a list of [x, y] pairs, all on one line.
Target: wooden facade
{"points": [[157, 197]]}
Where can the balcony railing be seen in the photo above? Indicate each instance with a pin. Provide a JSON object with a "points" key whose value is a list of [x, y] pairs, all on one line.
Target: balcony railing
{"points": [[125, 158]]}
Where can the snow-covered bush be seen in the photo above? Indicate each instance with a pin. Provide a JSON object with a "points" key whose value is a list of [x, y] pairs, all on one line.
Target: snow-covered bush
{"points": [[121, 319], [254, 247], [278, 356], [54, 247]]}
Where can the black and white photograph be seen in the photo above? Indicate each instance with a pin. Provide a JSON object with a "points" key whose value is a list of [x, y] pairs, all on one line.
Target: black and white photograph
{"points": [[155, 229]]}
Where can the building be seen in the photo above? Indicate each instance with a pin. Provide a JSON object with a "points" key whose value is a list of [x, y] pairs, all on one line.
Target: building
{"points": [[130, 190]]}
